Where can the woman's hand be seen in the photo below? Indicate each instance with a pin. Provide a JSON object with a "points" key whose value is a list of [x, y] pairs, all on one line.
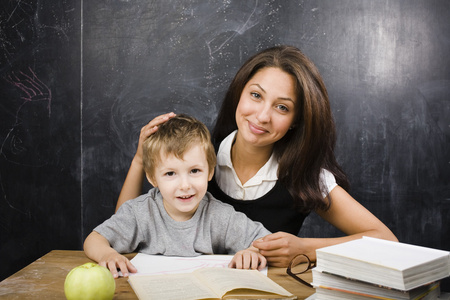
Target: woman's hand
{"points": [[281, 247], [148, 130], [345, 213], [132, 185], [249, 258]]}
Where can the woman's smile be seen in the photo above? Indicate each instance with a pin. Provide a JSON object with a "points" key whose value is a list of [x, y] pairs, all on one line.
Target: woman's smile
{"points": [[256, 129], [266, 108]]}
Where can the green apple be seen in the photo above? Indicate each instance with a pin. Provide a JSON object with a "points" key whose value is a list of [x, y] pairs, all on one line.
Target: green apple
{"points": [[89, 281]]}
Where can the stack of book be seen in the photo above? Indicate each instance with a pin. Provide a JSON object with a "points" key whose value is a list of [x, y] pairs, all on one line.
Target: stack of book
{"points": [[370, 268]]}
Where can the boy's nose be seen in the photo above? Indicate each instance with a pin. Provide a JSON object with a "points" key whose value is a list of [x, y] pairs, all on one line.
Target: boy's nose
{"points": [[185, 184]]}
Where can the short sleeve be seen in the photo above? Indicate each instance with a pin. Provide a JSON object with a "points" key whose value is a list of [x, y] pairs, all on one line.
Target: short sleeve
{"points": [[327, 182], [121, 229]]}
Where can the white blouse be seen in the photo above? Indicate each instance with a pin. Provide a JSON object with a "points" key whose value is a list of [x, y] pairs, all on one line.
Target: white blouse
{"points": [[260, 184]]}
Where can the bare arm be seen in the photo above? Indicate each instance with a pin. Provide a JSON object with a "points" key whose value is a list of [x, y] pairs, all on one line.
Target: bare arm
{"points": [[132, 185], [98, 249], [345, 213]]}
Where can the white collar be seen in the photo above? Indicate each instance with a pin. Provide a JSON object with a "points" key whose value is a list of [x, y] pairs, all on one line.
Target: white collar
{"points": [[268, 172]]}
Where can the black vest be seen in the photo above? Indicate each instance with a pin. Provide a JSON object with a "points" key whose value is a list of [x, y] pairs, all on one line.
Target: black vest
{"points": [[275, 210]]}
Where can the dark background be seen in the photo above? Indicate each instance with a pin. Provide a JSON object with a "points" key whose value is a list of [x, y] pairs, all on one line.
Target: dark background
{"points": [[78, 79]]}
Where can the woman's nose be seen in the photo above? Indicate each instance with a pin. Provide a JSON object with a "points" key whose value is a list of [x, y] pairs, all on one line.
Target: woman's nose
{"points": [[263, 114]]}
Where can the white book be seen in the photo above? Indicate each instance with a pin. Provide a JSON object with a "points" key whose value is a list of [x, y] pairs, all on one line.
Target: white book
{"points": [[396, 265], [324, 294], [346, 288]]}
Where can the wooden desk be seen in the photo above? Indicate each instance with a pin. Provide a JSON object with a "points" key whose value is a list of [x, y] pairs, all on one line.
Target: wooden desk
{"points": [[44, 278]]}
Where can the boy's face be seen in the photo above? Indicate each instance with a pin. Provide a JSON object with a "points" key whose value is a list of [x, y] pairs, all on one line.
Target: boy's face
{"points": [[182, 182]]}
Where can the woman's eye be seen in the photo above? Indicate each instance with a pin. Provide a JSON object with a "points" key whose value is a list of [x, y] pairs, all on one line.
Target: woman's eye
{"points": [[255, 95], [283, 108]]}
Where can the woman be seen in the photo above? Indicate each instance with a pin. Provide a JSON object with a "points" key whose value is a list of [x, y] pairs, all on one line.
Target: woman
{"points": [[275, 136]]}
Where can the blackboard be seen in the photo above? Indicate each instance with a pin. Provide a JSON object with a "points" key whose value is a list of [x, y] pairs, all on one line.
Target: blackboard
{"points": [[40, 193], [79, 79]]}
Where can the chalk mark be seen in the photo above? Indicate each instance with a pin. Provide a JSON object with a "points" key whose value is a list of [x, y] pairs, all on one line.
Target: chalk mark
{"points": [[33, 90], [32, 86], [238, 31]]}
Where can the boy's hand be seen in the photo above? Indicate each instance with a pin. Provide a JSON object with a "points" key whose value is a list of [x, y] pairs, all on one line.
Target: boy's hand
{"points": [[116, 261], [248, 259], [98, 249]]}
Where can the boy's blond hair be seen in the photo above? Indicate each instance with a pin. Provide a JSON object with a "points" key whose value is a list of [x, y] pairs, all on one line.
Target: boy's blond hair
{"points": [[175, 137]]}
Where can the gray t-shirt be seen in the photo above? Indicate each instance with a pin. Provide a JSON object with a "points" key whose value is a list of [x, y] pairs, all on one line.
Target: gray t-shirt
{"points": [[143, 225]]}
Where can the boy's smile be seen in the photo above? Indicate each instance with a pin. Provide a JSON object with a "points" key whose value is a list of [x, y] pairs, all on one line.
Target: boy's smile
{"points": [[182, 182]]}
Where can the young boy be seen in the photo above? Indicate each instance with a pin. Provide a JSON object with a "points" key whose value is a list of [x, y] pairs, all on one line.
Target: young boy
{"points": [[178, 216]]}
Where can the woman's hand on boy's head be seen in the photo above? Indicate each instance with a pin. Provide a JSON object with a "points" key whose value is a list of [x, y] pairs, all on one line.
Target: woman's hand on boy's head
{"points": [[115, 262], [249, 258], [149, 129]]}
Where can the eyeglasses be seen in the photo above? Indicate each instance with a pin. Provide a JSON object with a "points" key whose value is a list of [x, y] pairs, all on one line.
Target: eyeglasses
{"points": [[301, 266]]}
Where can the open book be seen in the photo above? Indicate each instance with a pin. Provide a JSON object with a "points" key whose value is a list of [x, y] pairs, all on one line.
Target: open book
{"points": [[208, 283]]}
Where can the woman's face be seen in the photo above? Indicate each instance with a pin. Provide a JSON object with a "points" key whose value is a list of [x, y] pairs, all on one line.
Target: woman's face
{"points": [[266, 109]]}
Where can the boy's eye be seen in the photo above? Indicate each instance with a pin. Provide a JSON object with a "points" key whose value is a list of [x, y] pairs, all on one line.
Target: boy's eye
{"points": [[171, 173], [195, 171]]}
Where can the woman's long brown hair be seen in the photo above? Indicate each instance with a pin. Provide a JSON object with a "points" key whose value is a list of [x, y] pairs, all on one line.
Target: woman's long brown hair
{"points": [[309, 145]]}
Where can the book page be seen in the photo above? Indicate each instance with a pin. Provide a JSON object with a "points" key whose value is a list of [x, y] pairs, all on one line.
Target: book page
{"points": [[170, 287], [158, 264], [224, 280]]}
